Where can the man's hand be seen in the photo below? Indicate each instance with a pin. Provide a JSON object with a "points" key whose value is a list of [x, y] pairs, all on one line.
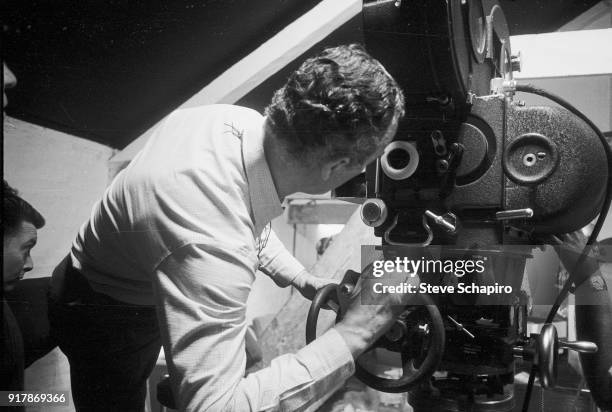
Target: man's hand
{"points": [[363, 324], [308, 284], [570, 247]]}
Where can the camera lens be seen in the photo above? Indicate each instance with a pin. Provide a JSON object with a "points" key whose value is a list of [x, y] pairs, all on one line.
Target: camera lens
{"points": [[399, 158]]}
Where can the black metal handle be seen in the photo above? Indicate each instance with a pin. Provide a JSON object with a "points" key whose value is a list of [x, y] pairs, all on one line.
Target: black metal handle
{"points": [[406, 381]]}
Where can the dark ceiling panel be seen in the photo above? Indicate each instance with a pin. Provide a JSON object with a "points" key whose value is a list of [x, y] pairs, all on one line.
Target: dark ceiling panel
{"points": [[108, 70]]}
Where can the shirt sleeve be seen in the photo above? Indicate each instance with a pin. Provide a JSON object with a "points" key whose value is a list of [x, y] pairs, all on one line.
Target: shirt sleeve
{"points": [[201, 292], [277, 262]]}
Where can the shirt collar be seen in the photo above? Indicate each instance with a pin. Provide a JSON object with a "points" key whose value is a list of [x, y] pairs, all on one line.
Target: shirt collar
{"points": [[265, 202]]}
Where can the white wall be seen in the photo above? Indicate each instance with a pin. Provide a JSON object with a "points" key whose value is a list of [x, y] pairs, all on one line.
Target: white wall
{"points": [[61, 176], [592, 95]]}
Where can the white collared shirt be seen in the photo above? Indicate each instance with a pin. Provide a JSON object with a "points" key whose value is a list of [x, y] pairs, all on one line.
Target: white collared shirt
{"points": [[185, 218]]}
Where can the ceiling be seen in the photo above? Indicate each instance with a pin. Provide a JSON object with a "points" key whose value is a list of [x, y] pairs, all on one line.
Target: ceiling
{"points": [[107, 70]]}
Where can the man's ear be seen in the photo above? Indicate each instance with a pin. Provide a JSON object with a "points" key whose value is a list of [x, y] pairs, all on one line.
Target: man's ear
{"points": [[332, 167]]}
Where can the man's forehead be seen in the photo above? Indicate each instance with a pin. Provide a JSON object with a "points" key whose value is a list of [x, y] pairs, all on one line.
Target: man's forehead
{"points": [[26, 232]]}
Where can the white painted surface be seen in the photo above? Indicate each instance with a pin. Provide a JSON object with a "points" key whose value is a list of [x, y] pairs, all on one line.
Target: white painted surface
{"points": [[561, 54], [61, 176]]}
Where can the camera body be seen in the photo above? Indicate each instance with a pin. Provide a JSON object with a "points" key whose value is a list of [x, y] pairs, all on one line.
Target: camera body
{"points": [[473, 169]]}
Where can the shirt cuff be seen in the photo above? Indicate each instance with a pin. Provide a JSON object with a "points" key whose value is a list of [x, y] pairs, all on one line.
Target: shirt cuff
{"points": [[330, 365], [334, 355]]}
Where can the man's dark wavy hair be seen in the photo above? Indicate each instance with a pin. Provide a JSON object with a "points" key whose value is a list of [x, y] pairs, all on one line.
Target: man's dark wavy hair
{"points": [[342, 99], [16, 210]]}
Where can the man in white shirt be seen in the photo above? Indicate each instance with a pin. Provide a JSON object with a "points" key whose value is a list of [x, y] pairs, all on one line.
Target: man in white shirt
{"points": [[185, 227]]}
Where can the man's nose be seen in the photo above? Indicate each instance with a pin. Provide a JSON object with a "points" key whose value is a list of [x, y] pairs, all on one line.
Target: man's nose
{"points": [[9, 78], [29, 264]]}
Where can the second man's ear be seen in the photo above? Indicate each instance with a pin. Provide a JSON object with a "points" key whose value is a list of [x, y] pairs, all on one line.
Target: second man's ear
{"points": [[334, 167]]}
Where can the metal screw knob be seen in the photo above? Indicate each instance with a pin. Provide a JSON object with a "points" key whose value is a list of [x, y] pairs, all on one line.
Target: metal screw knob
{"points": [[423, 329], [547, 355], [514, 214], [579, 346], [447, 221]]}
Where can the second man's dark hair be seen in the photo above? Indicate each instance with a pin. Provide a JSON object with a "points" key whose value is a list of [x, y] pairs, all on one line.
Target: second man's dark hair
{"points": [[15, 210]]}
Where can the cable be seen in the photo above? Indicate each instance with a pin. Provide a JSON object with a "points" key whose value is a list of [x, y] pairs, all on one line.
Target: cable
{"points": [[529, 389], [598, 225]]}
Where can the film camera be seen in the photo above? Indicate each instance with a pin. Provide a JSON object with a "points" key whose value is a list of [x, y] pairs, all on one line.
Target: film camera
{"points": [[472, 169]]}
